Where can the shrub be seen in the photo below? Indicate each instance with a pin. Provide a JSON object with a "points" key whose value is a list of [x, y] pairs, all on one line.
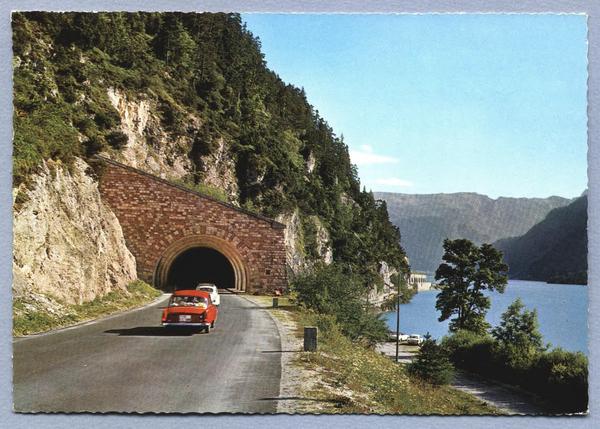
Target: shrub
{"points": [[518, 336], [93, 145], [84, 124], [470, 350], [558, 377], [211, 191], [432, 364], [561, 377], [116, 139], [107, 119], [334, 290]]}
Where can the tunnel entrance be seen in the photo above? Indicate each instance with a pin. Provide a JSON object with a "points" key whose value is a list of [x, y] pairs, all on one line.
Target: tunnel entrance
{"points": [[200, 265]]}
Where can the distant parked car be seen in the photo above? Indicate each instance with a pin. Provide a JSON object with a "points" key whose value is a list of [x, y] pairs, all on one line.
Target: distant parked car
{"points": [[191, 309], [415, 339], [212, 289], [392, 336]]}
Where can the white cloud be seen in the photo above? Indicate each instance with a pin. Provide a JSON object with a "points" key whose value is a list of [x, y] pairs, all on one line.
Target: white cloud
{"points": [[365, 156], [393, 181]]}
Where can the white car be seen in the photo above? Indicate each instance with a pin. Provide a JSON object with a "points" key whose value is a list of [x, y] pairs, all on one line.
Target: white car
{"points": [[415, 339], [392, 337], [212, 289]]}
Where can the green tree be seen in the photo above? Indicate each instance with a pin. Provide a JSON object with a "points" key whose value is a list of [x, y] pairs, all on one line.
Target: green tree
{"points": [[468, 271], [173, 44], [518, 336], [337, 290], [432, 363]]}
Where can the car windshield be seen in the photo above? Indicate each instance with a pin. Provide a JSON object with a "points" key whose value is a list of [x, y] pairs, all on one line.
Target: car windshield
{"points": [[206, 289], [188, 301]]}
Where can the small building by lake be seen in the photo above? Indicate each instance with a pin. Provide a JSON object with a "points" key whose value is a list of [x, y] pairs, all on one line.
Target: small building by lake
{"points": [[418, 281]]}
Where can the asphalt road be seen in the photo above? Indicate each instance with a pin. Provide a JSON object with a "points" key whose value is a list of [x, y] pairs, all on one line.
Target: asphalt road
{"points": [[129, 363]]}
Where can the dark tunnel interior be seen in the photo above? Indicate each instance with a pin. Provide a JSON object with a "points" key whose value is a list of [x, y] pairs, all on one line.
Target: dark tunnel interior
{"points": [[200, 265]]}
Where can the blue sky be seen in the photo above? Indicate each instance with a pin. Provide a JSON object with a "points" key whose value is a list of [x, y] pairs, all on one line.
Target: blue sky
{"points": [[494, 104]]}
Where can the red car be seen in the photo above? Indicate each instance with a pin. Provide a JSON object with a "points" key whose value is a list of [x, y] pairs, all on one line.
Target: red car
{"points": [[190, 308]]}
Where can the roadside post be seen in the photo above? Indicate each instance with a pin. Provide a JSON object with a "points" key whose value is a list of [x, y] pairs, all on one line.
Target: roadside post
{"points": [[275, 302], [310, 338], [398, 321]]}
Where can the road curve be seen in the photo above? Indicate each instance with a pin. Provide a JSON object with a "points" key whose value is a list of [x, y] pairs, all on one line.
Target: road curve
{"points": [[129, 363]]}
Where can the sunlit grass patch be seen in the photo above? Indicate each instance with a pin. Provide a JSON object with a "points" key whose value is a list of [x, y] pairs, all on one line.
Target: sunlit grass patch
{"points": [[354, 378], [30, 316]]}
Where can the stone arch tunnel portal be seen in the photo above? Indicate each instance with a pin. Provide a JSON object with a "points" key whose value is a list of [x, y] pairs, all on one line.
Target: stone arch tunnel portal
{"points": [[180, 237], [199, 265]]}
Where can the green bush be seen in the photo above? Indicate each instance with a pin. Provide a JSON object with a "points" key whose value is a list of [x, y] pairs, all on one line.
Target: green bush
{"points": [[518, 337], [116, 139], [334, 290], [211, 191], [558, 377], [94, 144], [107, 119], [470, 350], [432, 363], [561, 377]]}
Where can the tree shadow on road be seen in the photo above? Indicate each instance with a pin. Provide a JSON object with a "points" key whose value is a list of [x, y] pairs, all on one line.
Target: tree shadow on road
{"points": [[153, 331]]}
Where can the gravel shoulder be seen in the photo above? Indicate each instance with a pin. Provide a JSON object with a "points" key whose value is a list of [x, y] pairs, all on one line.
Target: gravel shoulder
{"points": [[296, 379], [308, 387]]}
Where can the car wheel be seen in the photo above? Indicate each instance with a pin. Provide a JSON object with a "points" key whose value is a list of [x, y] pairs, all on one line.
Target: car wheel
{"points": [[212, 325]]}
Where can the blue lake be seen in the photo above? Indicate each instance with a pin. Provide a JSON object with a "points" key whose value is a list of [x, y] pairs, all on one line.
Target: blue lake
{"points": [[562, 312]]}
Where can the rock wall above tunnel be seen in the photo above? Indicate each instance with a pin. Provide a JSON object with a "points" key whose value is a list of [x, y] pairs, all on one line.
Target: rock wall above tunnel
{"points": [[160, 220]]}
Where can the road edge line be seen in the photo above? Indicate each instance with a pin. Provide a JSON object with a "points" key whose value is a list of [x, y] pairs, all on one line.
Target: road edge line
{"points": [[279, 332], [91, 321]]}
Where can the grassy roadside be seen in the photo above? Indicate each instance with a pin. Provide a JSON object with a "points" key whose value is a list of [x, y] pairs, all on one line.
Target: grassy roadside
{"points": [[355, 379], [32, 317]]}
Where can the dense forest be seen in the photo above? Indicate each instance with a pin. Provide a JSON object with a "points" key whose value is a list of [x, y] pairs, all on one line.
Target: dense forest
{"points": [[554, 250], [211, 66]]}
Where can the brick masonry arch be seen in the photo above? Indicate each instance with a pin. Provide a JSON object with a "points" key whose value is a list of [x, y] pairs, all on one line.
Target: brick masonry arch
{"points": [[222, 246], [160, 220]]}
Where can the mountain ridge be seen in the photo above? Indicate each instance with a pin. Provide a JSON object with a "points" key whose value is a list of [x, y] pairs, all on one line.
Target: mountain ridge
{"points": [[425, 220], [554, 250]]}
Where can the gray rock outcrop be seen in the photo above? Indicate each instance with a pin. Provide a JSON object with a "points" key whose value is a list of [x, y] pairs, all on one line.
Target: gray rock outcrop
{"points": [[68, 245]]}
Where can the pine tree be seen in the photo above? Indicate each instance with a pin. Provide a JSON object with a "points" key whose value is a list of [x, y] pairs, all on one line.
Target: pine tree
{"points": [[468, 271], [518, 336], [432, 363]]}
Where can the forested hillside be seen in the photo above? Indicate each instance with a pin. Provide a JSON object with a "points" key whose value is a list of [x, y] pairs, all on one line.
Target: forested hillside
{"points": [[79, 79], [554, 250], [426, 220]]}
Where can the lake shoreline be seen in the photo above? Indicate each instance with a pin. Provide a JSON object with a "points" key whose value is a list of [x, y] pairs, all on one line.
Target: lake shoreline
{"points": [[562, 311]]}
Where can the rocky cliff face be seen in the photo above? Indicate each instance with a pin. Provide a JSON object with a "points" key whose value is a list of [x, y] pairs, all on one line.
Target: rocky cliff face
{"points": [[148, 146], [296, 258], [153, 149], [323, 241], [68, 245], [190, 109], [294, 255], [378, 295]]}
